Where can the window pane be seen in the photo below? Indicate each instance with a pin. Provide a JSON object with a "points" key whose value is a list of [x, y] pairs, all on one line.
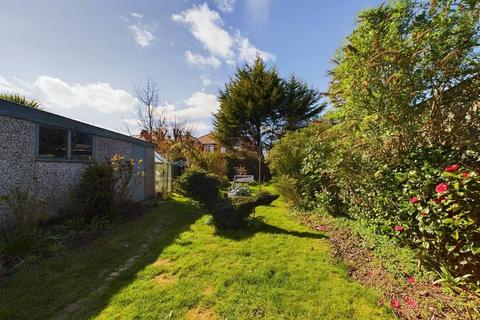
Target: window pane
{"points": [[81, 146], [53, 143]]}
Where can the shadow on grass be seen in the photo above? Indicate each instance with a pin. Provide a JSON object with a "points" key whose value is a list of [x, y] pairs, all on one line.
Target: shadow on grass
{"points": [[258, 225], [78, 284]]}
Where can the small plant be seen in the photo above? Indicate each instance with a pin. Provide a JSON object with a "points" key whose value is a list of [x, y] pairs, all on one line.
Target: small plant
{"points": [[126, 178], [24, 211], [66, 231], [240, 170], [198, 185], [19, 99], [288, 188]]}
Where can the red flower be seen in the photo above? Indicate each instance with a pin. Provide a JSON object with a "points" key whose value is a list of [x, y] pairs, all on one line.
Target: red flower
{"points": [[394, 303], [439, 199], [399, 228], [410, 302], [452, 168], [411, 280], [465, 174], [441, 187], [413, 200]]}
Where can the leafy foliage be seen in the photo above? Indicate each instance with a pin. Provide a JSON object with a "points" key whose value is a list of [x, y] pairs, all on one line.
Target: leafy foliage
{"points": [[212, 162], [199, 185], [106, 187], [228, 214], [405, 95], [258, 106], [24, 211], [438, 207], [19, 99], [95, 192]]}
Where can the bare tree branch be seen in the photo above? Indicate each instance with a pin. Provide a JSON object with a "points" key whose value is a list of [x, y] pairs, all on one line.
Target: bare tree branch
{"points": [[148, 97]]}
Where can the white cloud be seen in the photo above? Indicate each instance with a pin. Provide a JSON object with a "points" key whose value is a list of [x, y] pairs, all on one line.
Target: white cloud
{"points": [[225, 5], [124, 18], [247, 52], [142, 36], [258, 10], [206, 26], [201, 61], [9, 87], [136, 15], [99, 96], [199, 105], [206, 81], [201, 127]]}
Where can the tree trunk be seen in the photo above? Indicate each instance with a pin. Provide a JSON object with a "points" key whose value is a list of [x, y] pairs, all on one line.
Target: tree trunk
{"points": [[259, 164], [259, 145]]}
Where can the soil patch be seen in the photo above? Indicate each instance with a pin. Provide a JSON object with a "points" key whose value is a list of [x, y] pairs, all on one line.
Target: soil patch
{"points": [[200, 313]]}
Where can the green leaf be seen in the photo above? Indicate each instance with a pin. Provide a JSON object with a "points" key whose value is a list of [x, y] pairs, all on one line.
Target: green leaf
{"points": [[455, 235]]}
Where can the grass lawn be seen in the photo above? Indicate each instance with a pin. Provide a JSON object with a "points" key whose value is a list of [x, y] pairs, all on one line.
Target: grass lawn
{"points": [[169, 264]]}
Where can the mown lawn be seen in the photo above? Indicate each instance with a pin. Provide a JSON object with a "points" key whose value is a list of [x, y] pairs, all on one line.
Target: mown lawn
{"points": [[169, 264]]}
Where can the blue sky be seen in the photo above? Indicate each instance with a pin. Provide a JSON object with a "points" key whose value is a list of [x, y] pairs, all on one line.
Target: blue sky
{"points": [[81, 59]]}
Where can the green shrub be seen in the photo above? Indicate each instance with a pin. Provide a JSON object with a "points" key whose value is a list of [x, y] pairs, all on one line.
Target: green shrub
{"points": [[199, 185], [288, 188], [105, 188], [24, 211], [438, 200], [95, 193], [213, 163], [234, 214]]}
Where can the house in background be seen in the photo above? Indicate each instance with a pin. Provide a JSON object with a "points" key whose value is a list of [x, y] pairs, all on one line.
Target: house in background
{"points": [[47, 154], [210, 143]]}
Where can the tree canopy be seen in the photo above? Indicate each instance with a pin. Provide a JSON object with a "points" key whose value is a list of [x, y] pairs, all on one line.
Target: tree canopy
{"points": [[257, 107], [396, 71]]}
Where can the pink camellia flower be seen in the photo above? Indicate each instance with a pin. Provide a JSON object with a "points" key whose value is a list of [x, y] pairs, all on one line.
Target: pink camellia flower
{"points": [[452, 168], [394, 303], [411, 280], [441, 187], [410, 303], [399, 228], [413, 200]]}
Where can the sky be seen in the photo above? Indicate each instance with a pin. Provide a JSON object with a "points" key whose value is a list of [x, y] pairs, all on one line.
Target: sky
{"points": [[83, 59]]}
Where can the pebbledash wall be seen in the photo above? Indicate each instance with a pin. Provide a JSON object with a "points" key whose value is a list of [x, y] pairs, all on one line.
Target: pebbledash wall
{"points": [[21, 164]]}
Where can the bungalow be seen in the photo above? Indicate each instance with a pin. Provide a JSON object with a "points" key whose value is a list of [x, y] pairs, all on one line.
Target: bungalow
{"points": [[48, 153], [210, 144]]}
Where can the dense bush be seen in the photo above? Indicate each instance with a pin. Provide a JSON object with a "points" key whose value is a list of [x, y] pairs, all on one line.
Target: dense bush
{"points": [[106, 188], [199, 185], [438, 199], [397, 153], [95, 192], [211, 162], [234, 214]]}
